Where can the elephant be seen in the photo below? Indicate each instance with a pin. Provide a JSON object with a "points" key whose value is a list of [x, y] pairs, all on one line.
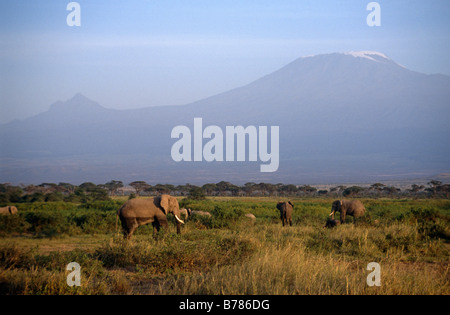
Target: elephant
{"points": [[251, 217], [8, 210], [331, 223], [185, 213], [200, 213], [355, 208], [137, 212], [286, 209]]}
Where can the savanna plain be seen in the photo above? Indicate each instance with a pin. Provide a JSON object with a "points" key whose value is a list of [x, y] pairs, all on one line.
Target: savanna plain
{"points": [[227, 253]]}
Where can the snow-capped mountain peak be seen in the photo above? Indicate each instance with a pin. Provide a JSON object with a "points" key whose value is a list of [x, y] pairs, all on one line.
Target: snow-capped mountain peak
{"points": [[371, 55]]}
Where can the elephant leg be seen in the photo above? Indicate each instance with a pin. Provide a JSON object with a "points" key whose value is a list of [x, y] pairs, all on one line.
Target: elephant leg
{"points": [[131, 232], [127, 227], [163, 223], [342, 217], [131, 226], [156, 227]]}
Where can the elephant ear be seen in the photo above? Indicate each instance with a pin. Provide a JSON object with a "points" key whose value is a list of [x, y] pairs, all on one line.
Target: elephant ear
{"points": [[338, 205], [164, 203]]}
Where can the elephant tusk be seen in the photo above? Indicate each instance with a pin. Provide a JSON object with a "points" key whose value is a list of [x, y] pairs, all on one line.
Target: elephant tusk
{"points": [[178, 219], [331, 214]]}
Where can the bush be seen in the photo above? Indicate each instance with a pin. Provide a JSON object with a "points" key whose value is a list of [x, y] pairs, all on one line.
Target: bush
{"points": [[204, 205], [226, 217], [46, 206], [45, 223], [55, 196], [429, 223], [93, 222], [102, 205], [13, 224]]}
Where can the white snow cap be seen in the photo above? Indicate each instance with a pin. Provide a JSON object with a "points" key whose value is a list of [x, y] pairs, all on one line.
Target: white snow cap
{"points": [[367, 54]]}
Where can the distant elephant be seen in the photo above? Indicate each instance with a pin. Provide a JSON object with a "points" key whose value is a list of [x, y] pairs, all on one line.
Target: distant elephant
{"points": [[185, 213], [195, 213], [286, 209], [347, 207], [137, 212], [8, 210], [331, 223], [251, 217]]}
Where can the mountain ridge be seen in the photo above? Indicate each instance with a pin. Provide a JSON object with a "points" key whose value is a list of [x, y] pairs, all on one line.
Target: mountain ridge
{"points": [[349, 115]]}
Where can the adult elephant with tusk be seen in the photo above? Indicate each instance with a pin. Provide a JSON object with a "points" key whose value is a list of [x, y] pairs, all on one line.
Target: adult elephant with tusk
{"points": [[354, 208], [137, 212]]}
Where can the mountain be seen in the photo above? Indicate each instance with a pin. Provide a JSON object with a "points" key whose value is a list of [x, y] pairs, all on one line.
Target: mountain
{"points": [[356, 116]]}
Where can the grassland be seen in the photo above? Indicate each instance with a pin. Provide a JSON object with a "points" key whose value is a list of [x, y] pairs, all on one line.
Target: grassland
{"points": [[227, 253]]}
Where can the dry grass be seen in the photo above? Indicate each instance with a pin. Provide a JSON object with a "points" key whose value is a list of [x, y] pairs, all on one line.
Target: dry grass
{"points": [[239, 258], [285, 265]]}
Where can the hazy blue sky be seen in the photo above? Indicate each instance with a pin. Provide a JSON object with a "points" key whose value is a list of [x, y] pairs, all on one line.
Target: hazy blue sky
{"points": [[129, 54]]}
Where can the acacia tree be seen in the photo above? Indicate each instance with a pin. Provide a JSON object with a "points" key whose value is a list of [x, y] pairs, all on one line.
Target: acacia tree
{"points": [[249, 188], [140, 186], [224, 187], [378, 187], [288, 190], [307, 189], [338, 190], [89, 191], [113, 186], [444, 189], [48, 187], [196, 193], [391, 190], [164, 189], [67, 188], [415, 189], [352, 191], [434, 186], [210, 189]]}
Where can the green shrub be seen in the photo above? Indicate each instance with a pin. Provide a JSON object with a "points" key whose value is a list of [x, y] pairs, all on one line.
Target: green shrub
{"points": [[429, 222], [102, 205], [46, 206], [13, 224], [203, 205], [46, 223], [226, 217]]}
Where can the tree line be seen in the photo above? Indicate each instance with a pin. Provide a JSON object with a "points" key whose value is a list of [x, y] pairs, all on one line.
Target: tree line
{"points": [[88, 192]]}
